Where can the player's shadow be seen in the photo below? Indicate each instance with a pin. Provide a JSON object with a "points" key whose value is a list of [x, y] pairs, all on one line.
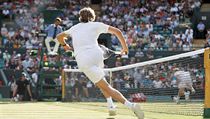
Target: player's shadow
{"points": [[110, 118]]}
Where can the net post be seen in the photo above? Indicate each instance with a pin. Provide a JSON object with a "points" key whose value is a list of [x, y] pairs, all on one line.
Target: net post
{"points": [[207, 83], [63, 84]]}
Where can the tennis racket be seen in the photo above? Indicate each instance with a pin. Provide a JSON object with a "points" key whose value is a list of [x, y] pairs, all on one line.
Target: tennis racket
{"points": [[106, 52]]}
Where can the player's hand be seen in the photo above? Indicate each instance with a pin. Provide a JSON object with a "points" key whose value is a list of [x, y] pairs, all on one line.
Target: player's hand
{"points": [[124, 51], [67, 47]]}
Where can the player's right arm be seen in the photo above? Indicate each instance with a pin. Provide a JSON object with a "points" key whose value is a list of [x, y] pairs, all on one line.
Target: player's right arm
{"points": [[62, 40]]}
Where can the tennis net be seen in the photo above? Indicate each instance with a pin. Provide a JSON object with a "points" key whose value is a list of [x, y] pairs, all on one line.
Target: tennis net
{"points": [[153, 82]]}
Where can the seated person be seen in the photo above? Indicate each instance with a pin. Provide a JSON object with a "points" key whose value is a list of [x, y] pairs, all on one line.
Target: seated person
{"points": [[52, 31]]}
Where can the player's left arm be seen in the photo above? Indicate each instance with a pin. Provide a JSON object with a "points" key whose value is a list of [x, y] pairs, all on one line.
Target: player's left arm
{"points": [[62, 40]]}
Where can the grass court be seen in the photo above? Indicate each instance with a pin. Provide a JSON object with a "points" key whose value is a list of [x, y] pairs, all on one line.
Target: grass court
{"points": [[96, 110]]}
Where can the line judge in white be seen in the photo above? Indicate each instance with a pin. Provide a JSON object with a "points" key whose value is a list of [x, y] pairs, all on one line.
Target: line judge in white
{"points": [[89, 55]]}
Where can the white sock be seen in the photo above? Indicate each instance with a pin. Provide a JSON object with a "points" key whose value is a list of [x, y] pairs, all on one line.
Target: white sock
{"points": [[129, 104], [110, 103], [187, 94]]}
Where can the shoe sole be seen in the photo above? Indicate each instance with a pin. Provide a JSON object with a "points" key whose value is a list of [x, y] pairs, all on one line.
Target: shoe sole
{"points": [[138, 112]]}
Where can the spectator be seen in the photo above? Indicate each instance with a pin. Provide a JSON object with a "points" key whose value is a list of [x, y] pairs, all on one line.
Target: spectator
{"points": [[52, 31], [208, 35], [186, 46], [12, 85], [182, 36], [34, 77], [118, 80], [200, 30], [6, 57], [6, 13], [138, 78], [189, 31], [22, 89], [80, 88], [4, 30], [157, 83], [189, 38], [27, 63]]}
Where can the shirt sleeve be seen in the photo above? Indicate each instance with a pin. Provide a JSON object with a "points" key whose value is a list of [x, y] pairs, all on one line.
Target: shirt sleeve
{"points": [[48, 27], [103, 28]]}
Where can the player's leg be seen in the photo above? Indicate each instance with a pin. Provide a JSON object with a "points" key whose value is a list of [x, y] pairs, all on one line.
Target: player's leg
{"points": [[190, 87], [192, 90], [189, 90], [115, 94], [187, 94], [180, 93], [94, 71], [110, 104], [47, 43]]}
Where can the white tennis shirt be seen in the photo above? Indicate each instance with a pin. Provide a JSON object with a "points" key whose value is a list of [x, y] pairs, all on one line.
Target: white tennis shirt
{"points": [[85, 35], [182, 76]]}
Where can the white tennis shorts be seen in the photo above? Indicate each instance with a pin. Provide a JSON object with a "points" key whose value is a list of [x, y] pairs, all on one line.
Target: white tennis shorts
{"points": [[185, 84], [90, 61]]}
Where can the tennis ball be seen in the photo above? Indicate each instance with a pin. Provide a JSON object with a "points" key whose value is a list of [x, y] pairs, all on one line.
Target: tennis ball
{"points": [[46, 63]]}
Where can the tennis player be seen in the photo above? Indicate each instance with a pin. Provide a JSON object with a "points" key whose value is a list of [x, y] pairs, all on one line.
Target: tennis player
{"points": [[89, 55], [184, 83]]}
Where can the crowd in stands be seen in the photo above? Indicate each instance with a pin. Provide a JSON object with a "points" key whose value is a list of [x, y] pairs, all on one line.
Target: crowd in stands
{"points": [[150, 24], [27, 21], [147, 25]]}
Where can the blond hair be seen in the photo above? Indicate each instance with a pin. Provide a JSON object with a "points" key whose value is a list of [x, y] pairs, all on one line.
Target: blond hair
{"points": [[87, 14]]}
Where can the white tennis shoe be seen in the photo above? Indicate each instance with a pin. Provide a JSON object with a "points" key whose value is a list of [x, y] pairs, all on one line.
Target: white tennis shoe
{"points": [[112, 111], [176, 99], [137, 111]]}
